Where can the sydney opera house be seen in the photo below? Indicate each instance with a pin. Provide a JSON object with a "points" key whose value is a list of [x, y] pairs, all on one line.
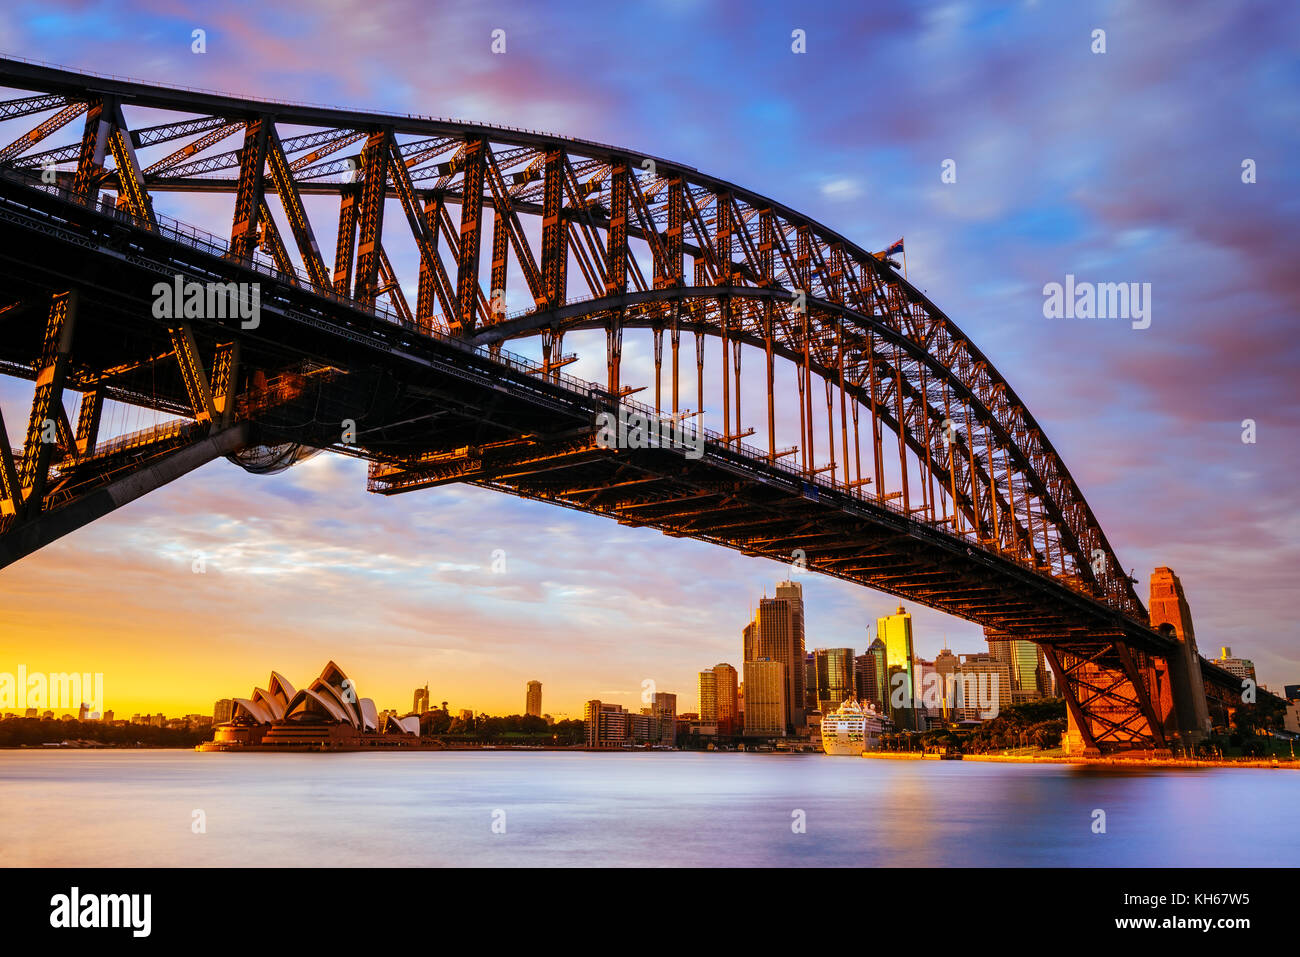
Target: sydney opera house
{"points": [[328, 715]]}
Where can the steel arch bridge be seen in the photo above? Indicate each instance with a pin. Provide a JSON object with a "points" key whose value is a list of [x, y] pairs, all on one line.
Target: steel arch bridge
{"points": [[926, 477]]}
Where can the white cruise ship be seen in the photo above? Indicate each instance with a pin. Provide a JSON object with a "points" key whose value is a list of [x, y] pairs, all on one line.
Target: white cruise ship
{"points": [[852, 729]]}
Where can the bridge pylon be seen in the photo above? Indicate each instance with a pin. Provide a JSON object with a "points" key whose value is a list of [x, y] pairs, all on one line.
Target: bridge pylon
{"points": [[1110, 690]]}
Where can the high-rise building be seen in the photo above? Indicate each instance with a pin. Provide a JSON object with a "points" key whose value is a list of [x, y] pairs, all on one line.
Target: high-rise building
{"points": [[809, 682], [725, 690], [766, 705], [948, 667], [896, 633], [984, 675], [929, 687], [1026, 666], [864, 683], [708, 697], [871, 675], [223, 711], [834, 671], [533, 699], [665, 709], [1241, 667], [793, 593], [421, 702], [776, 636]]}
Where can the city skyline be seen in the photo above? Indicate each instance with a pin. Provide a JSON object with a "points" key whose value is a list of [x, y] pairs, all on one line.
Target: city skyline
{"points": [[396, 586]]}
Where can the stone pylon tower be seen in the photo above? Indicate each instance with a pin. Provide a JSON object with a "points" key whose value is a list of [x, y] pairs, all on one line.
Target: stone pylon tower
{"points": [[1185, 708]]}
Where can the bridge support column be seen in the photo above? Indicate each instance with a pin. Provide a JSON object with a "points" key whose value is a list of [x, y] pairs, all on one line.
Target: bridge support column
{"points": [[1184, 708], [1108, 690]]}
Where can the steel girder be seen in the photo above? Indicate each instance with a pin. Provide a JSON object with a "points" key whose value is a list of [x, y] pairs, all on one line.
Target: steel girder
{"points": [[765, 277]]}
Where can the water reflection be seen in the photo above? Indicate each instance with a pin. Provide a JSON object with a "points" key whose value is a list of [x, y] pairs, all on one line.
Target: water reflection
{"points": [[135, 807]]}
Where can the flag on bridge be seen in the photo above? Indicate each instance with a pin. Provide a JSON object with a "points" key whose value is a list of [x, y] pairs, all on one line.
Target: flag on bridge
{"points": [[895, 248]]}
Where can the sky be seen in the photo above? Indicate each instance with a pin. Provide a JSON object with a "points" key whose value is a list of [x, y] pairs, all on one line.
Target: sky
{"points": [[1117, 166]]}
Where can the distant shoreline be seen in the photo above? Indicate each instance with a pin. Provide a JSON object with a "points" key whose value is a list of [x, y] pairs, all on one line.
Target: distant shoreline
{"points": [[1090, 762]]}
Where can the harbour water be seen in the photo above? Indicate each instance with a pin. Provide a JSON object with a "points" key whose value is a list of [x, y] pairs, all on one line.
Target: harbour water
{"points": [[137, 808]]}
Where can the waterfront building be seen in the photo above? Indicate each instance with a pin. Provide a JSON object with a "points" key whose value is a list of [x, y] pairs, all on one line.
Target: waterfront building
{"points": [[896, 633], [777, 636], [222, 711], [834, 676], [606, 725], [328, 715], [421, 702], [766, 704], [709, 696], [533, 699], [665, 710], [726, 694], [643, 728]]}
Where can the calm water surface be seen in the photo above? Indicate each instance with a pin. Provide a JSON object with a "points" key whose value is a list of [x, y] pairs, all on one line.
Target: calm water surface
{"points": [[436, 808]]}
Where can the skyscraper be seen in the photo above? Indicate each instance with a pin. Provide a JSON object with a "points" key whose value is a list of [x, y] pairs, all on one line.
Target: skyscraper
{"points": [[1025, 664], [421, 703], [929, 706], [766, 706], [774, 636], [708, 697], [533, 699], [871, 673], [793, 593], [834, 670], [223, 711], [809, 682], [724, 685], [948, 667], [665, 709], [896, 633]]}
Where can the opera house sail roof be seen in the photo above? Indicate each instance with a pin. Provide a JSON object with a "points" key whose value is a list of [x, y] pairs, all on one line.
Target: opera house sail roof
{"points": [[327, 714]]}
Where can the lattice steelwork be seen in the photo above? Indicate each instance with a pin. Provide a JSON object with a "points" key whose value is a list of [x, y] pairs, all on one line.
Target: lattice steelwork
{"points": [[981, 517]]}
